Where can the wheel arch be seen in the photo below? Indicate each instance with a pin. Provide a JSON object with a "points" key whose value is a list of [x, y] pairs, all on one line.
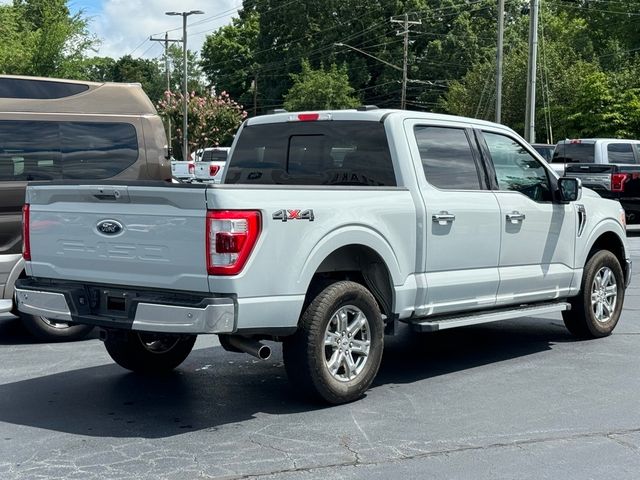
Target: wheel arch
{"points": [[360, 255], [606, 238]]}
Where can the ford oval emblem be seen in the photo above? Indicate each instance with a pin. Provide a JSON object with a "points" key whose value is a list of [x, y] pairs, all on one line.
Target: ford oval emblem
{"points": [[109, 227]]}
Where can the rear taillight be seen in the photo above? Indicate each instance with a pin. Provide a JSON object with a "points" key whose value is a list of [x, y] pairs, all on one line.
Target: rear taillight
{"points": [[192, 169], [618, 180], [26, 243], [213, 170], [231, 236]]}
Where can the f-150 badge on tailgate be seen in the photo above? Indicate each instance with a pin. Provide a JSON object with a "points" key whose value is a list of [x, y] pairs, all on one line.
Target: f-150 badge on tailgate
{"points": [[109, 227], [286, 215]]}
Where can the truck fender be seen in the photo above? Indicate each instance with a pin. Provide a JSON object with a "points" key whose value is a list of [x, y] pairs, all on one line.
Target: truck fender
{"points": [[350, 235], [606, 225]]}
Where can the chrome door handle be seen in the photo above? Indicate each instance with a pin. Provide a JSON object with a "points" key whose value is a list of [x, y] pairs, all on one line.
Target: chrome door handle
{"points": [[515, 217], [443, 218]]}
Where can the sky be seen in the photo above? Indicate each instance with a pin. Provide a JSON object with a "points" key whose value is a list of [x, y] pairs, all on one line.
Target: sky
{"points": [[124, 26]]}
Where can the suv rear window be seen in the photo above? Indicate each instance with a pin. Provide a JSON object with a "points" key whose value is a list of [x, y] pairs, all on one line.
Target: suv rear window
{"points": [[574, 153], [312, 153]]}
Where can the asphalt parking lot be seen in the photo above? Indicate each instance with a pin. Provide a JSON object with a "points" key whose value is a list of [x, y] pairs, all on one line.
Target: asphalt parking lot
{"points": [[519, 399]]}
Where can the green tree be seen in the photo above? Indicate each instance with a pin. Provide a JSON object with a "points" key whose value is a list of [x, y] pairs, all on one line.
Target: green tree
{"points": [[53, 40], [228, 57], [194, 72], [320, 89], [144, 71]]}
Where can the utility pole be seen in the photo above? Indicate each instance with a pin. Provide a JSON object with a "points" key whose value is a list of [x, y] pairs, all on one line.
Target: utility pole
{"points": [[185, 128], [530, 114], [406, 23], [166, 41], [499, 61]]}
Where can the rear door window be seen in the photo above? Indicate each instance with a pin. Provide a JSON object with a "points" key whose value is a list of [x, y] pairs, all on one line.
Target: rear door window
{"points": [[447, 158], [313, 153]]}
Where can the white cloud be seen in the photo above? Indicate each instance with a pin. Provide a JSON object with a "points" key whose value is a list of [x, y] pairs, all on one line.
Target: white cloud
{"points": [[124, 26]]}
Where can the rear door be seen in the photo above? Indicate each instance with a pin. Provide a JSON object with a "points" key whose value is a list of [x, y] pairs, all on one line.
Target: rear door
{"points": [[462, 227], [537, 235]]}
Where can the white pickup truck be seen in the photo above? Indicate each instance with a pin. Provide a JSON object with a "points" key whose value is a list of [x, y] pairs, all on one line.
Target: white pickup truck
{"points": [[209, 167], [328, 229]]}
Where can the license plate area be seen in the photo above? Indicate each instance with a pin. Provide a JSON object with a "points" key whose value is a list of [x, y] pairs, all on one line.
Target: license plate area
{"points": [[111, 302]]}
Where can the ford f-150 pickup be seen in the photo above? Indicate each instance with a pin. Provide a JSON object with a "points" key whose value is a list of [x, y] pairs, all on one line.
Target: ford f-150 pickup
{"points": [[328, 228]]}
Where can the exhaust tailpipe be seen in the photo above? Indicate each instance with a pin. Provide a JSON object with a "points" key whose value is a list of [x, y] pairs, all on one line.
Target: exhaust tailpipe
{"points": [[252, 347]]}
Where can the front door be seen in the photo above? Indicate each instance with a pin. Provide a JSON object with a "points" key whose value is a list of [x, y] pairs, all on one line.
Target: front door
{"points": [[538, 235]]}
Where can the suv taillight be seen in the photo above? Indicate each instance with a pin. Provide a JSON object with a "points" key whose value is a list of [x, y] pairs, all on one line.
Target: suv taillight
{"points": [[26, 243], [213, 170], [231, 236], [618, 180]]}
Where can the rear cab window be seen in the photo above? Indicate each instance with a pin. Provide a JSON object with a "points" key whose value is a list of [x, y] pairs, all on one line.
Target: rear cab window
{"points": [[574, 152], [331, 152]]}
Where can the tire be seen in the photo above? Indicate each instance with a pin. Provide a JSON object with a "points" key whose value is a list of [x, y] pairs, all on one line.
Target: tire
{"points": [[53, 331], [144, 352], [339, 316], [596, 310]]}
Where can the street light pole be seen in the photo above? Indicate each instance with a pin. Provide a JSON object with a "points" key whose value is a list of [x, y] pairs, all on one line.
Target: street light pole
{"points": [[185, 128], [499, 51]]}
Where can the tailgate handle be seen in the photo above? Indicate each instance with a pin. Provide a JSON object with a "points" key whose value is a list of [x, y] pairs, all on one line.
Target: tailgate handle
{"points": [[111, 194]]}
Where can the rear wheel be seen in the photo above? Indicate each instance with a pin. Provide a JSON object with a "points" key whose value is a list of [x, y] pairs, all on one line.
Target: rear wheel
{"points": [[336, 352], [149, 352], [596, 310], [50, 330]]}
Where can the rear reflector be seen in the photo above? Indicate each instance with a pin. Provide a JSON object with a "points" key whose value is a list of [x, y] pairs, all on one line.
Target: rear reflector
{"points": [[618, 180], [231, 236], [26, 242], [213, 170]]}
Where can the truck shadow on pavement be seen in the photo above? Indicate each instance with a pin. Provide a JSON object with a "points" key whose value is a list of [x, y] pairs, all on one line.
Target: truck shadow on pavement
{"points": [[213, 387]]}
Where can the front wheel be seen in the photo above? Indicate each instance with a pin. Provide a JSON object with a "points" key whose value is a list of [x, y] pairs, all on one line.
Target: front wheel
{"points": [[336, 352], [596, 310], [149, 352]]}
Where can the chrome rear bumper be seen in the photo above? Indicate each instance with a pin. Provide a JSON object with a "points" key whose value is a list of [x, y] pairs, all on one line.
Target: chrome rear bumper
{"points": [[216, 317]]}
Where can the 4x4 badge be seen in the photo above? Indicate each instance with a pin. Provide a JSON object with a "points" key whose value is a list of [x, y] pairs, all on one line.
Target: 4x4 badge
{"points": [[286, 215]]}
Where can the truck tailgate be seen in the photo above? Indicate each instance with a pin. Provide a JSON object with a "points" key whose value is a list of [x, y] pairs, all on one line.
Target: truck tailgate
{"points": [[593, 175], [136, 234]]}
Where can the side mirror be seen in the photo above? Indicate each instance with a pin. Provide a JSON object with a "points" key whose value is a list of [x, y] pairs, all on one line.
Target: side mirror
{"points": [[570, 189]]}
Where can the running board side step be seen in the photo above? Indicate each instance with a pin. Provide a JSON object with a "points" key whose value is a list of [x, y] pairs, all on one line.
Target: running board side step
{"points": [[497, 315]]}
